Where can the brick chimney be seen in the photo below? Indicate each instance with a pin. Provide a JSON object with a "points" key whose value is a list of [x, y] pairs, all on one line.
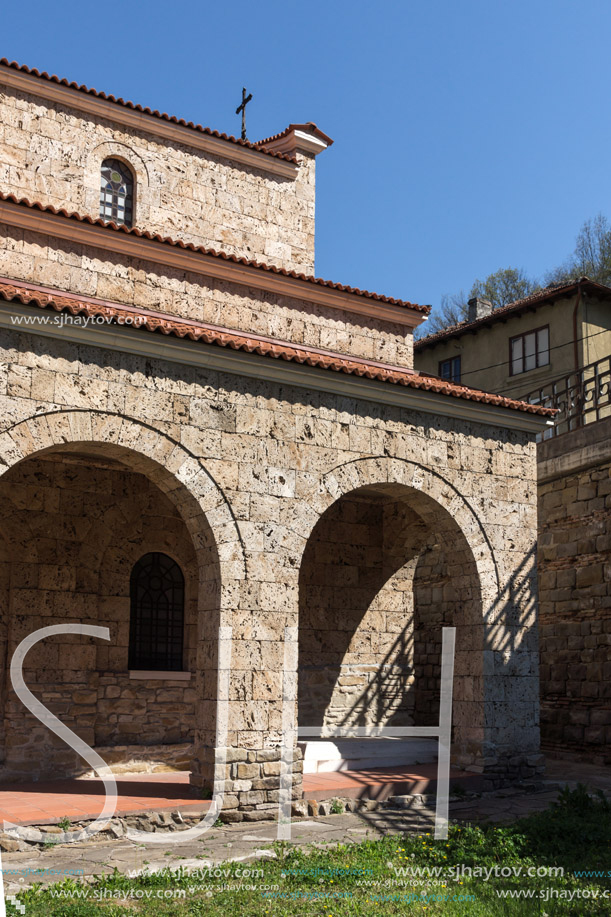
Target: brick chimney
{"points": [[478, 308]]}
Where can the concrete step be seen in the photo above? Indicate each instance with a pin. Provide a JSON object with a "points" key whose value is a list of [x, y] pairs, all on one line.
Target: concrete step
{"points": [[329, 755]]}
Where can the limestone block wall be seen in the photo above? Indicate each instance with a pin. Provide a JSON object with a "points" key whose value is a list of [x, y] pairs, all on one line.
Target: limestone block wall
{"points": [[52, 153], [260, 463], [446, 594], [356, 662], [575, 593], [86, 271], [72, 529]]}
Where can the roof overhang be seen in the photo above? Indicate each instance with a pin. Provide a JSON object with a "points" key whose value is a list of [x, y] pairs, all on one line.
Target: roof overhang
{"points": [[298, 138], [251, 365], [141, 121], [129, 244], [516, 310]]}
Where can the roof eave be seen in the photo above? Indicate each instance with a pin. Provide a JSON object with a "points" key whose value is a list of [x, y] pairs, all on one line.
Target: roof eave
{"points": [[511, 310], [84, 100], [86, 230], [224, 359]]}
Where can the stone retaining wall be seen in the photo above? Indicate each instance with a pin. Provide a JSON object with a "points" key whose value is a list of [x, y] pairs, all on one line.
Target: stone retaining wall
{"points": [[575, 592]]}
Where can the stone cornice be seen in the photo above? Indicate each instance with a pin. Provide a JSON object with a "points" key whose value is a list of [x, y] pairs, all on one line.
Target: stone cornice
{"points": [[159, 253], [238, 363], [141, 121]]}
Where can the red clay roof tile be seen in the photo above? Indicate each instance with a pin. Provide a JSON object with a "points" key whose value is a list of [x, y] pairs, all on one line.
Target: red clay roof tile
{"points": [[166, 240], [14, 291], [309, 127], [548, 294], [146, 111]]}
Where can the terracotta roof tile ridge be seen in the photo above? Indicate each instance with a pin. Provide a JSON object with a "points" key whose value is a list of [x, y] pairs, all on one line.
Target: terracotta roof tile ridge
{"points": [[550, 291], [307, 126], [15, 291], [49, 295], [52, 78], [199, 249]]}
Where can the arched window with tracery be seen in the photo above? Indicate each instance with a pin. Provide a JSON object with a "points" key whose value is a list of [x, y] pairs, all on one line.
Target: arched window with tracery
{"points": [[116, 192], [157, 592]]}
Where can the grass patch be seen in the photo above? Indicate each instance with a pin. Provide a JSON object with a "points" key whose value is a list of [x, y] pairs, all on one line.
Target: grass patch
{"points": [[362, 880]]}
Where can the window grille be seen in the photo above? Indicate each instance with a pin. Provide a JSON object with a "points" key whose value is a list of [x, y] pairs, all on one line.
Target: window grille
{"points": [[157, 592], [116, 192]]}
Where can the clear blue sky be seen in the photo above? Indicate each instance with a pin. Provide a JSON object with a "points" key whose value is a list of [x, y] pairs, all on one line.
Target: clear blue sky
{"points": [[469, 135]]}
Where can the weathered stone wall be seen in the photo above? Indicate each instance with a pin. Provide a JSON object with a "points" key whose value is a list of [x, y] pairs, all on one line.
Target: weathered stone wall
{"points": [[86, 271], [446, 594], [367, 525], [575, 592], [261, 463], [52, 153], [356, 619], [80, 525]]}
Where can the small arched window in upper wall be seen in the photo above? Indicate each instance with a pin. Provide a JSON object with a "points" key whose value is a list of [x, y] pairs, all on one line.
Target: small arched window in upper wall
{"points": [[116, 192], [157, 592]]}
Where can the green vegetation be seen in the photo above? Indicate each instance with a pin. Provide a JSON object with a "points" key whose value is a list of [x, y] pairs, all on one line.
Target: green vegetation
{"points": [[366, 879], [591, 258]]}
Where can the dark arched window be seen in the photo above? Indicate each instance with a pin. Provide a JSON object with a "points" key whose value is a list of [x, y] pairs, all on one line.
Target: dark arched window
{"points": [[157, 591], [116, 192]]}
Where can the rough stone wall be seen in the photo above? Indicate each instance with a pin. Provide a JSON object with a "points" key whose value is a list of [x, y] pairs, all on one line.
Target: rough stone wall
{"points": [[356, 620], [5, 570], [377, 589], [53, 153], [446, 595], [80, 269], [83, 524], [278, 458], [575, 594]]}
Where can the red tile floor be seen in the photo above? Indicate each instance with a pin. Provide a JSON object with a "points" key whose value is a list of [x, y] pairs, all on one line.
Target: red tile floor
{"points": [[80, 799], [47, 802]]}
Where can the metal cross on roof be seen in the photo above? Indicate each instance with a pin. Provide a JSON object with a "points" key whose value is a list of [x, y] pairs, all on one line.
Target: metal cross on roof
{"points": [[242, 108]]}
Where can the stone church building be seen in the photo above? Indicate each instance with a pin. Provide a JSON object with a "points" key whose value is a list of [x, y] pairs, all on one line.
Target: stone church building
{"points": [[200, 437]]}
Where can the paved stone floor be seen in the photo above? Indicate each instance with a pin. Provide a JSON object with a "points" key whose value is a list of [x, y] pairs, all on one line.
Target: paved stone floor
{"points": [[244, 842], [45, 803], [382, 782]]}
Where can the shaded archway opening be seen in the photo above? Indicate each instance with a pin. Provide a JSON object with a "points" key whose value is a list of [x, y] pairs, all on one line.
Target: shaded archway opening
{"points": [[385, 568], [87, 512]]}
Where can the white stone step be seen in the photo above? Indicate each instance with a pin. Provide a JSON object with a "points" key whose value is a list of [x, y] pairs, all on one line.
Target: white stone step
{"points": [[326, 755]]}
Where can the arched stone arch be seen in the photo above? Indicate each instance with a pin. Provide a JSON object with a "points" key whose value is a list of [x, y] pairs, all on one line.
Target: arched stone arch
{"points": [[493, 721], [380, 471], [181, 476], [143, 194], [141, 447]]}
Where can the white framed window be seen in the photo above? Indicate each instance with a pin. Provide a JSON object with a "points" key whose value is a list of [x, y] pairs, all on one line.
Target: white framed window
{"points": [[529, 350]]}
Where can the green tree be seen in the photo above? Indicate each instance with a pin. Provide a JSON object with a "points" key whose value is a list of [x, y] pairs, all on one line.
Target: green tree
{"points": [[504, 286], [500, 288], [591, 256], [453, 309]]}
